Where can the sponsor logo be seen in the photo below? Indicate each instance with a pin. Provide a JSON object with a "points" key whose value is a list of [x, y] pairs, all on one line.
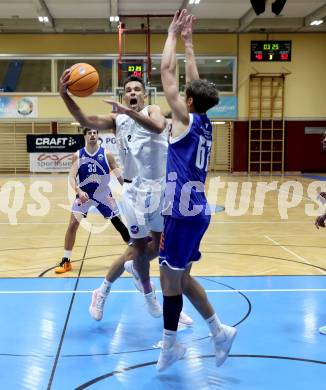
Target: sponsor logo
{"points": [[134, 229], [50, 141], [100, 157]]}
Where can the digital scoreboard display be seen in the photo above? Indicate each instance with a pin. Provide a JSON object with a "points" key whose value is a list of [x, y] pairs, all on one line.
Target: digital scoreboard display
{"points": [[270, 51], [135, 70]]}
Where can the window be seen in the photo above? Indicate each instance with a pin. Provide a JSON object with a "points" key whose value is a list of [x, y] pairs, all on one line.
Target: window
{"points": [[103, 67], [217, 70], [156, 74], [22, 75]]}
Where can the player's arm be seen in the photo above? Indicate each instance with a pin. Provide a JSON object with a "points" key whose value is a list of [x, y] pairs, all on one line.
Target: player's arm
{"points": [[96, 122], [155, 122], [73, 179], [114, 167], [180, 117], [186, 34]]}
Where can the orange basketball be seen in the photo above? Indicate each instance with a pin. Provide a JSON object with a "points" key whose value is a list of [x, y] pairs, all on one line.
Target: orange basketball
{"points": [[84, 80]]}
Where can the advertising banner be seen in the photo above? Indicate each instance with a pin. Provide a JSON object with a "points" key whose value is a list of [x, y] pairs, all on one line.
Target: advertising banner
{"points": [[18, 107], [226, 109], [54, 143], [50, 162]]}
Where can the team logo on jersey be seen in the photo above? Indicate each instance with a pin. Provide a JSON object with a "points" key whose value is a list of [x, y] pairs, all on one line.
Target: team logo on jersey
{"points": [[134, 229], [124, 125], [100, 157]]}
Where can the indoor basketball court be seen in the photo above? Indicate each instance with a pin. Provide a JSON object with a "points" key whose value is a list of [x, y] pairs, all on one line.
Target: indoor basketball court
{"points": [[263, 259]]}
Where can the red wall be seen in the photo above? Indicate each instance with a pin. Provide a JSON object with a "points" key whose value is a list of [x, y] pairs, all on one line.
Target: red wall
{"points": [[240, 146], [303, 152]]}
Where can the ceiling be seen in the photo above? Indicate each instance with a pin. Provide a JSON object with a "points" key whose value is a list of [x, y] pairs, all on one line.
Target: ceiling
{"points": [[92, 16]]}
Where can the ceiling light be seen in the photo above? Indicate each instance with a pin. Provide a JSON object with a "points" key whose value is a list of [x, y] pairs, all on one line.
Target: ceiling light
{"points": [[154, 68], [111, 18], [116, 19], [316, 22], [218, 60], [194, 1], [43, 19]]}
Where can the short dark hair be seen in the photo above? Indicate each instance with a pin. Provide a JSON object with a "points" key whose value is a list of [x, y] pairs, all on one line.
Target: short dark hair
{"points": [[134, 78], [87, 129], [203, 93]]}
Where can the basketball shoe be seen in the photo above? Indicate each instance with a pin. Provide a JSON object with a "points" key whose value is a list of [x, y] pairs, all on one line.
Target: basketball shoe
{"points": [[223, 343], [97, 305], [63, 267], [322, 330], [184, 319], [169, 356]]}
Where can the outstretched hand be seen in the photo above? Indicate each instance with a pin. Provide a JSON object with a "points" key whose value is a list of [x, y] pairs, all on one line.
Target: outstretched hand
{"points": [[117, 108], [186, 32], [178, 22], [64, 81]]}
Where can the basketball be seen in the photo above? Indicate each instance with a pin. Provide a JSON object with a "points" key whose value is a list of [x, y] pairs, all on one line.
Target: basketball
{"points": [[84, 80]]}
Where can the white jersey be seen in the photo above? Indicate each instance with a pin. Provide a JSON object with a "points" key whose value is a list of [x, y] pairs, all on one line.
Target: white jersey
{"points": [[123, 136], [142, 152]]}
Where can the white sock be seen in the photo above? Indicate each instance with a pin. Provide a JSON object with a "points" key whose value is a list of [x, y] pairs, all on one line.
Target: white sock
{"points": [[105, 286], [133, 270], [67, 254], [214, 324], [169, 338]]}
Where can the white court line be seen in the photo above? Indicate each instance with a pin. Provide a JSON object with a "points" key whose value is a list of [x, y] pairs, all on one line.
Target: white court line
{"points": [[215, 222], [136, 291], [293, 253]]}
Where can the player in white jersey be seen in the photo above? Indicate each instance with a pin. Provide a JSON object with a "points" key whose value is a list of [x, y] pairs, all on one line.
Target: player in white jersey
{"points": [[142, 145]]}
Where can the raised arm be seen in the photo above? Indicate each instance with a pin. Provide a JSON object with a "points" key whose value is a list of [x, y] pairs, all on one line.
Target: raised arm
{"points": [[186, 34], [114, 167], [96, 122], [168, 72]]}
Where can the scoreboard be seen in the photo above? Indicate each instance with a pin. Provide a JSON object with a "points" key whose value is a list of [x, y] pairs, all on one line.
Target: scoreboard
{"points": [[270, 51], [135, 70]]}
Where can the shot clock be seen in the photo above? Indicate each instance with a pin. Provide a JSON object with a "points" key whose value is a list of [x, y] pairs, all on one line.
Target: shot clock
{"points": [[270, 51]]}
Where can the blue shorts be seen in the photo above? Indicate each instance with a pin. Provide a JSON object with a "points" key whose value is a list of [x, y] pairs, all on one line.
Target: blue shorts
{"points": [[180, 240], [105, 204]]}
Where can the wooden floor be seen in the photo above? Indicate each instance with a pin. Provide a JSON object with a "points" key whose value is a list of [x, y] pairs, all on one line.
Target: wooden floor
{"points": [[32, 236]]}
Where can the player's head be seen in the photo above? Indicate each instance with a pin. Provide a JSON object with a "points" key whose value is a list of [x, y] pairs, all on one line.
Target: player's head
{"points": [[201, 95], [91, 136], [134, 93]]}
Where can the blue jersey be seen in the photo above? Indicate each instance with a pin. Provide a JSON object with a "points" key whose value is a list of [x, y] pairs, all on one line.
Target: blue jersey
{"points": [[93, 170], [187, 166]]}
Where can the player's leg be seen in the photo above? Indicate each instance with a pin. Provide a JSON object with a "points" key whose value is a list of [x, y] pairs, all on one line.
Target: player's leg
{"points": [[100, 294], [222, 335], [171, 282], [70, 238], [121, 228]]}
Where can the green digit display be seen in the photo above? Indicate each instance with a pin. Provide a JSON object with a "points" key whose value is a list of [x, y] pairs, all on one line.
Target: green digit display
{"points": [[267, 46], [275, 46]]}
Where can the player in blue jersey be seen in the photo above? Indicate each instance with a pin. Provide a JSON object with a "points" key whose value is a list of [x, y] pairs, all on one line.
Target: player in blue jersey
{"points": [[90, 176], [187, 214]]}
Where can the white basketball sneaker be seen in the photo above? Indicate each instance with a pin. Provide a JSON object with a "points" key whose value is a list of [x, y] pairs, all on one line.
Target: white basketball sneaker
{"points": [[184, 319], [153, 305], [169, 356], [223, 343], [97, 305], [129, 267]]}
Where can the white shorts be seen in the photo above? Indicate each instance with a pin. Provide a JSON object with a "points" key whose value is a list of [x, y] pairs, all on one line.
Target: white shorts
{"points": [[142, 210]]}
